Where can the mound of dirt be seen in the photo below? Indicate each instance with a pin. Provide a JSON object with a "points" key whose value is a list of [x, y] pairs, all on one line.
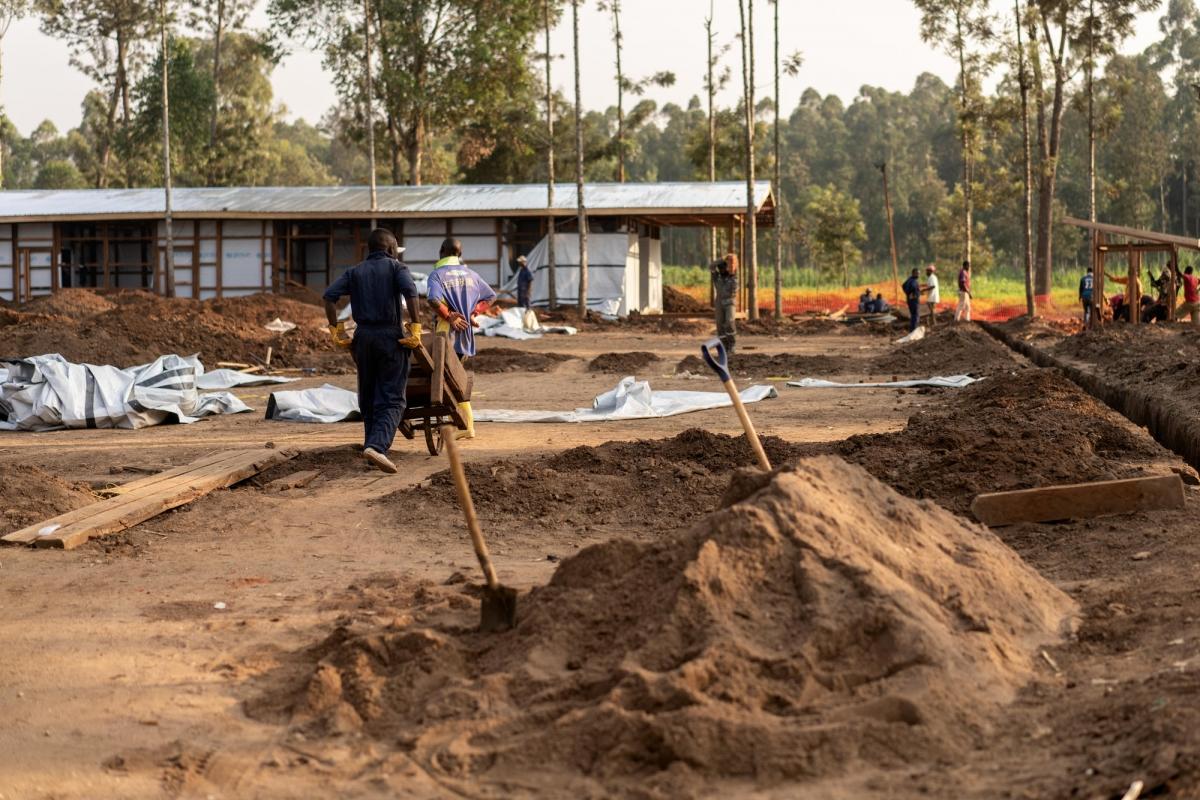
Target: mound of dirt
{"points": [[128, 328], [331, 462], [948, 350], [823, 626], [29, 495], [491, 360], [622, 363], [639, 488], [1040, 328], [678, 302], [782, 365], [1031, 428]]}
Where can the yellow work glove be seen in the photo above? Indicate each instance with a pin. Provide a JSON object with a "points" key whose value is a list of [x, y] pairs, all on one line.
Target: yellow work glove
{"points": [[338, 334], [413, 340]]}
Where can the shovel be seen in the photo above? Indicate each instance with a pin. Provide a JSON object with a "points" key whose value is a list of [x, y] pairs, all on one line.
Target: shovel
{"points": [[720, 365], [499, 609]]}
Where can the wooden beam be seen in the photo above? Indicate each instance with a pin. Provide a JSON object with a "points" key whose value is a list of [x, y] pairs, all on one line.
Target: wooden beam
{"points": [[148, 498], [1079, 500]]}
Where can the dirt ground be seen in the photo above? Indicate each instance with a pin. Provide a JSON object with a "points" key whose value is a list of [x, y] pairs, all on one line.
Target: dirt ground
{"points": [[124, 679]]}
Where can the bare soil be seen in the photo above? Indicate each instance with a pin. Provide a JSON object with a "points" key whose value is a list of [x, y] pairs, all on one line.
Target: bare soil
{"points": [[29, 495], [949, 350], [780, 365], [510, 359], [623, 363], [677, 302]]}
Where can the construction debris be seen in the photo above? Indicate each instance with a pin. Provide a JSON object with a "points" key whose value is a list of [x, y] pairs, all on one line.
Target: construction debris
{"points": [[1079, 500]]}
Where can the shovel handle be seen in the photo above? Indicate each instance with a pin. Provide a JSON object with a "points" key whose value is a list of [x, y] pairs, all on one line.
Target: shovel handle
{"points": [[719, 363], [468, 507]]}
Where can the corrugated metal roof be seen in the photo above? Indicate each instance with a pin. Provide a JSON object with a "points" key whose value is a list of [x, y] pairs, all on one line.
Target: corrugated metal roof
{"points": [[662, 199]]}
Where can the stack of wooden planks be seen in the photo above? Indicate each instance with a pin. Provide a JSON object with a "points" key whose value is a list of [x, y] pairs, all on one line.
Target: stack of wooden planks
{"points": [[139, 500]]}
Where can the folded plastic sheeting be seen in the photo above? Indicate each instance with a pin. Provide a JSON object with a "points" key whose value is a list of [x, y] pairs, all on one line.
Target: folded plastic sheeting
{"points": [[327, 403], [45, 393], [631, 399], [228, 379], [948, 382], [512, 324]]}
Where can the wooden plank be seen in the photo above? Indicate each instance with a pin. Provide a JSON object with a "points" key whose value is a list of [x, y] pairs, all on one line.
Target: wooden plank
{"points": [[136, 489], [124, 515], [1079, 500], [296, 480], [437, 375], [164, 482]]}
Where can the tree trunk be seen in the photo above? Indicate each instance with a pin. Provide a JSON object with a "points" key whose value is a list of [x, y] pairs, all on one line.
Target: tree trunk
{"points": [[778, 185], [965, 123], [394, 145], [122, 82], [1049, 140], [1091, 121], [1, 137], [369, 109], [168, 222], [216, 79], [552, 275], [1027, 169], [616, 11], [748, 96], [582, 210], [415, 150], [712, 129], [109, 134]]}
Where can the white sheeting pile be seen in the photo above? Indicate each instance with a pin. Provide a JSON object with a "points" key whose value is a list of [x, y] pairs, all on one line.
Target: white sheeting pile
{"points": [[631, 399], [229, 379], [513, 323], [940, 382], [45, 393]]}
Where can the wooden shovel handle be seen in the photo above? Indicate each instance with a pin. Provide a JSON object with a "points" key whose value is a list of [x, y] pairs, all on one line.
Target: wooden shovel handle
{"points": [[748, 426], [468, 507]]}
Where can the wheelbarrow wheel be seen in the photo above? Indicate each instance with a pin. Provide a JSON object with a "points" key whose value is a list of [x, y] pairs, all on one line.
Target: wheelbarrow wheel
{"points": [[433, 438]]}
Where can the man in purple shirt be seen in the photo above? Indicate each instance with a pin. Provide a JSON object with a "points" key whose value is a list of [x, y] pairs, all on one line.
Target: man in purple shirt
{"points": [[457, 293]]}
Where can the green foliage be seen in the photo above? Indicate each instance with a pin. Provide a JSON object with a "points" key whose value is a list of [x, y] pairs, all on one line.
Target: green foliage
{"points": [[834, 229]]}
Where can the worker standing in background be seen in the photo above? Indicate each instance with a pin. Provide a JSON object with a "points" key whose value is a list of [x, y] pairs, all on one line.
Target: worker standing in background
{"points": [[912, 296], [1086, 286], [1191, 295], [934, 294], [376, 287], [524, 281], [725, 288], [457, 293], [964, 293]]}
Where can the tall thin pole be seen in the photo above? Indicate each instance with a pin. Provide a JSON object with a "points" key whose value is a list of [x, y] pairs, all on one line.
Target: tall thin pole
{"points": [[582, 210], [778, 184], [551, 276], [1091, 100], [166, 126], [1027, 158], [712, 129], [751, 241], [369, 109], [887, 204]]}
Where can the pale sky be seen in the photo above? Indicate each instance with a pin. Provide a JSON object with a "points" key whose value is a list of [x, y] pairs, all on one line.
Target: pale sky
{"points": [[846, 44]]}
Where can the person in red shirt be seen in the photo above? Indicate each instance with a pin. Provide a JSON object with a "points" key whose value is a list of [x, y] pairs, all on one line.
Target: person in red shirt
{"points": [[1191, 295]]}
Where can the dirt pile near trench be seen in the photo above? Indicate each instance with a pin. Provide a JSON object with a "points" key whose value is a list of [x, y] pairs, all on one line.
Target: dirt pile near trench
{"points": [[623, 363], [129, 328], [1157, 359], [948, 350], [639, 489], [680, 302], [1040, 329], [1031, 428], [782, 365], [823, 626], [29, 495], [492, 360]]}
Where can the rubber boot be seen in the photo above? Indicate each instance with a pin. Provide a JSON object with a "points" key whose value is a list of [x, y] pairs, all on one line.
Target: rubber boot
{"points": [[465, 410]]}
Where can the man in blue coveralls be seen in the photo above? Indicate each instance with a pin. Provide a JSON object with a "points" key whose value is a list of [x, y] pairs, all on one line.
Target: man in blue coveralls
{"points": [[912, 296], [380, 353], [524, 281], [457, 293]]}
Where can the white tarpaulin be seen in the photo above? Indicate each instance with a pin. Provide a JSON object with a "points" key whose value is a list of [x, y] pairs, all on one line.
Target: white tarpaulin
{"points": [[45, 393], [913, 336], [280, 326], [948, 382], [613, 265], [512, 323], [230, 378], [326, 403], [631, 399]]}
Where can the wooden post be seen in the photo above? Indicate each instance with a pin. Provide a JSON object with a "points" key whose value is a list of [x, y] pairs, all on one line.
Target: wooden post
{"points": [[1132, 296], [1172, 267]]}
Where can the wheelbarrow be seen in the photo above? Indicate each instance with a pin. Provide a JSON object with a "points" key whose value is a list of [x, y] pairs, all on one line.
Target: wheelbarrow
{"points": [[437, 383]]}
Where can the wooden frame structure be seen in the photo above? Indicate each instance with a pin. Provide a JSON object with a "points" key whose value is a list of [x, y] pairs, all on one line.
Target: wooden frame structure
{"points": [[1135, 243]]}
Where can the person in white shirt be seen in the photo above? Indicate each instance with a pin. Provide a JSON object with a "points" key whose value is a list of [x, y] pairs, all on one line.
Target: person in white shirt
{"points": [[933, 297]]}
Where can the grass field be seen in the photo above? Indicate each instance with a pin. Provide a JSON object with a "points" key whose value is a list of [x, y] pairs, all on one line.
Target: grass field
{"points": [[995, 296]]}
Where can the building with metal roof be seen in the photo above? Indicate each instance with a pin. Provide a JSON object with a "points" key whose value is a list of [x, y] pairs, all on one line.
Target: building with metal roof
{"points": [[234, 241]]}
